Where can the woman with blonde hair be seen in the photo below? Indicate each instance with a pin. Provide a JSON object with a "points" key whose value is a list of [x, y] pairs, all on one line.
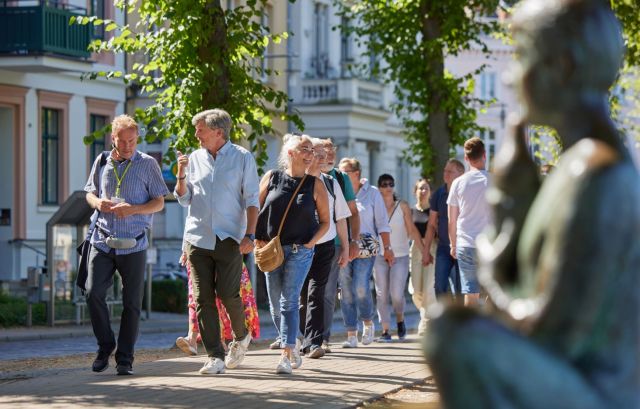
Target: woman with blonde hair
{"points": [[300, 232]]}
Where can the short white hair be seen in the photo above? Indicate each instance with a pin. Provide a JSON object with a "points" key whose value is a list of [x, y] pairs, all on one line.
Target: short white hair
{"points": [[289, 143]]}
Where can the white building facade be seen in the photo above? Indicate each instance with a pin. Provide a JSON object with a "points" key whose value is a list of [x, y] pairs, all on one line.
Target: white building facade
{"points": [[45, 111], [335, 102]]}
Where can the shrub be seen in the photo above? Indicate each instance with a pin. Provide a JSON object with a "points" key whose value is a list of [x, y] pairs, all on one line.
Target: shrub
{"points": [[169, 296], [13, 312]]}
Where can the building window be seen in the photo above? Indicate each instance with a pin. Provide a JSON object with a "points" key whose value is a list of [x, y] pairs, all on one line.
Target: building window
{"points": [[320, 59], [488, 136], [50, 144], [487, 85], [98, 10], [97, 122], [346, 57]]}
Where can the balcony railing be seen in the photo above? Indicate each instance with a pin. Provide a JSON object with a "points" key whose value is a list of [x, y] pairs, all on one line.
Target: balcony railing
{"points": [[341, 91], [42, 27]]}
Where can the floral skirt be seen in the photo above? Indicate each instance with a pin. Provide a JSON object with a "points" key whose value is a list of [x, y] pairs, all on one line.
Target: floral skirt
{"points": [[250, 310]]}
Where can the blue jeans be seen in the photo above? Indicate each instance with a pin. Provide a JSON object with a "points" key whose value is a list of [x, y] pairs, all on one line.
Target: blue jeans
{"points": [[447, 275], [468, 270], [357, 300], [283, 286]]}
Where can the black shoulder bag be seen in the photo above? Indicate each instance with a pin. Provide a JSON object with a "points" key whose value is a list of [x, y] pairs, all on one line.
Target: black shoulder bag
{"points": [[84, 249]]}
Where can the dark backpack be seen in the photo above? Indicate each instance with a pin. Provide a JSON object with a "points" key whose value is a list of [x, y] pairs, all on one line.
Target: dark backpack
{"points": [[340, 178], [328, 182]]}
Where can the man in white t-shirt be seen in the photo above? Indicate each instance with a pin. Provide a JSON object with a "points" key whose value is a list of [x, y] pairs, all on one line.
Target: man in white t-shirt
{"points": [[312, 322], [469, 214]]}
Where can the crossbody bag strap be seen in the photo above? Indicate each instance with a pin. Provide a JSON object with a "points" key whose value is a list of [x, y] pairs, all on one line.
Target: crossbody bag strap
{"points": [[394, 210], [291, 201], [103, 162]]}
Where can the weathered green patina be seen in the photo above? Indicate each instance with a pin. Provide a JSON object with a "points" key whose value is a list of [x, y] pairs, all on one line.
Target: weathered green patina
{"points": [[561, 264]]}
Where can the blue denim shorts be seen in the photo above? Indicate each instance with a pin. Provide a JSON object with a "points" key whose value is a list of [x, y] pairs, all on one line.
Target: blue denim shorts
{"points": [[468, 265]]}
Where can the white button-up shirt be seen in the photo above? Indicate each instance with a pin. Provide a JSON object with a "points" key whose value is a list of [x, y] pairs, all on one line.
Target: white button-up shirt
{"points": [[218, 193]]}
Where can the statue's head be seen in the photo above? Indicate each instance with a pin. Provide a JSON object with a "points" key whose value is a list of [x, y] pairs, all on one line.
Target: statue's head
{"points": [[566, 50]]}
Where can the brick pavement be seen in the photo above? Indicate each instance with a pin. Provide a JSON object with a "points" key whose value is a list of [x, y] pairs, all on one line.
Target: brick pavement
{"points": [[341, 379]]}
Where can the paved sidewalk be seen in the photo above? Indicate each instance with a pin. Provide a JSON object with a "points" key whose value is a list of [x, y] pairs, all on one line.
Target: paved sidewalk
{"points": [[159, 322], [341, 379]]}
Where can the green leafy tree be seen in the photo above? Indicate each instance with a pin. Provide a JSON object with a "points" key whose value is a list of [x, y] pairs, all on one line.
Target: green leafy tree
{"points": [[412, 38], [198, 56]]}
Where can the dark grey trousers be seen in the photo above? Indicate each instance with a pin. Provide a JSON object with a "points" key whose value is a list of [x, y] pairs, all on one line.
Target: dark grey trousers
{"points": [[101, 268]]}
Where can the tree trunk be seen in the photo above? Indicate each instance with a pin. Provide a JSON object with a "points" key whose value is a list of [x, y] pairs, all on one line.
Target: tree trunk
{"points": [[438, 131], [214, 51]]}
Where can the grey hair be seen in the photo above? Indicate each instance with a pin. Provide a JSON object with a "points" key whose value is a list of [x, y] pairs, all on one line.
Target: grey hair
{"points": [[289, 143], [215, 119]]}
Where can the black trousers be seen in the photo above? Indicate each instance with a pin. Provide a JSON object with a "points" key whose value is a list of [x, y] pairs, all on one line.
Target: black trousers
{"points": [[312, 295], [101, 268]]}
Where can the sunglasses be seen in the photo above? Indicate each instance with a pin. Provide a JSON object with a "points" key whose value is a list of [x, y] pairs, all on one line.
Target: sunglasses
{"points": [[387, 184]]}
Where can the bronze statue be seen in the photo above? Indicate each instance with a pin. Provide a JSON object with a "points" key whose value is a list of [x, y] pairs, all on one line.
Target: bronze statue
{"points": [[562, 264]]}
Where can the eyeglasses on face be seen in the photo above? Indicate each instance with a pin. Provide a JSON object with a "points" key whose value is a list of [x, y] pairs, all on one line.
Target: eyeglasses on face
{"points": [[387, 184]]}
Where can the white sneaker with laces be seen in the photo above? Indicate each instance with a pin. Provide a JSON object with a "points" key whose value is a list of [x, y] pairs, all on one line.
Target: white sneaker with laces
{"points": [[213, 366], [295, 356], [351, 342], [186, 346], [368, 333], [237, 349], [284, 365]]}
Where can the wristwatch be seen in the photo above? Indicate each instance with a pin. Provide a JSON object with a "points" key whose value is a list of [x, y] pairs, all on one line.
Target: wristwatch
{"points": [[251, 236], [387, 247]]}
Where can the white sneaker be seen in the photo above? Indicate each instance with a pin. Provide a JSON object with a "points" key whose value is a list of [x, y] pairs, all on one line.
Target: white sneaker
{"points": [[284, 366], [368, 333], [275, 344], [295, 355], [213, 366], [422, 327], [237, 349], [186, 346], [351, 342]]}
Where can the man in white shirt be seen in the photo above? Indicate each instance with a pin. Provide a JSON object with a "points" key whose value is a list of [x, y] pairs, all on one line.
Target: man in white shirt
{"points": [[312, 297], [219, 184], [469, 214]]}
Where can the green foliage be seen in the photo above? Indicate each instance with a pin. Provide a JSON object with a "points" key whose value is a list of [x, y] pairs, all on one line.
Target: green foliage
{"points": [[169, 296], [412, 38], [627, 13], [197, 56], [13, 312]]}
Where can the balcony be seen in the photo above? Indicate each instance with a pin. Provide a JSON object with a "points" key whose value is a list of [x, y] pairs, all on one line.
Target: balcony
{"points": [[342, 91], [40, 28]]}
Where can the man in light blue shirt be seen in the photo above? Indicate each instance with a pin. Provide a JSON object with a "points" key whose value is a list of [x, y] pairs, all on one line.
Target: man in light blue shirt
{"points": [[219, 185], [125, 187]]}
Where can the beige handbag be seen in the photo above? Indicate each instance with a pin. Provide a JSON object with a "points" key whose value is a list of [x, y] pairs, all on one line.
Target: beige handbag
{"points": [[271, 256]]}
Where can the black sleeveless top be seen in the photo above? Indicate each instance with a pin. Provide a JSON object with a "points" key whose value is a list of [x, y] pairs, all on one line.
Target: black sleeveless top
{"points": [[301, 223], [420, 219]]}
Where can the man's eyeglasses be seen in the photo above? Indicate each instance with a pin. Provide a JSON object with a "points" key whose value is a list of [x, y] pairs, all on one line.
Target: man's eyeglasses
{"points": [[387, 184]]}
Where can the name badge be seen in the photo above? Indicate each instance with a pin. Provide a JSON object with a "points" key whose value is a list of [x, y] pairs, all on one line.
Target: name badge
{"points": [[116, 199]]}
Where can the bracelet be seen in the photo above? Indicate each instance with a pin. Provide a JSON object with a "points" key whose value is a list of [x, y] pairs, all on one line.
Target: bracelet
{"points": [[182, 178]]}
